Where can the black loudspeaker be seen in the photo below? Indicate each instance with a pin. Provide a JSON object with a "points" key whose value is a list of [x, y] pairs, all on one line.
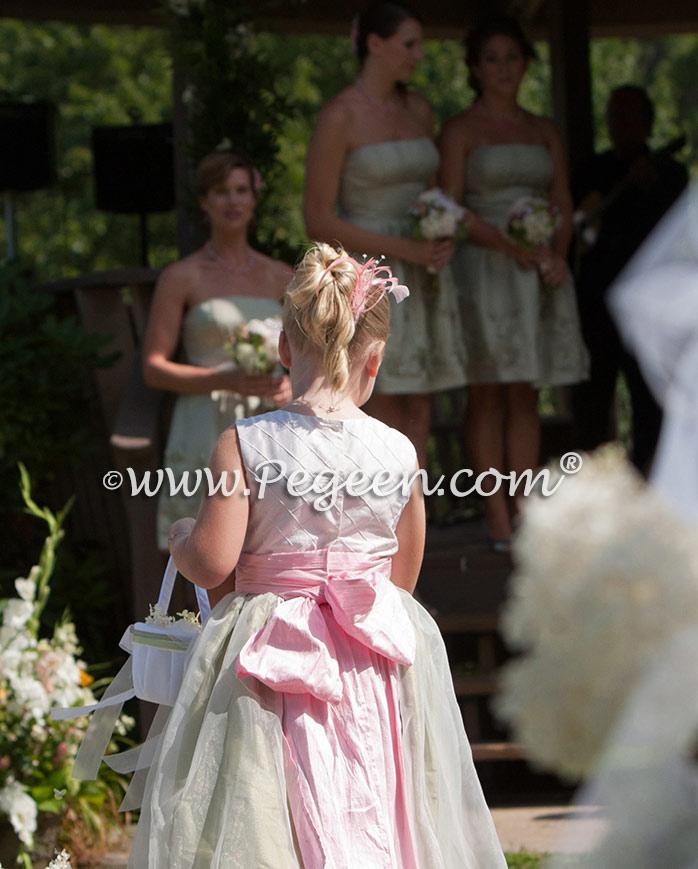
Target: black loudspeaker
{"points": [[27, 145], [134, 168]]}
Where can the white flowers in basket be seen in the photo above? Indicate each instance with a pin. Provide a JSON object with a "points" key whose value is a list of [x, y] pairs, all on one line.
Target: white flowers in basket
{"points": [[159, 644], [605, 575]]}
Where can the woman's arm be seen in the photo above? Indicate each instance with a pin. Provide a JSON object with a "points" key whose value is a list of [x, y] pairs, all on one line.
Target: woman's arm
{"points": [[410, 532], [162, 336], [455, 143], [554, 259], [326, 154], [207, 549]]}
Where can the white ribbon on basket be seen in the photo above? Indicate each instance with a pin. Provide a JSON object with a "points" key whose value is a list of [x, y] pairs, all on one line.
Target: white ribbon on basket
{"points": [[106, 712]]}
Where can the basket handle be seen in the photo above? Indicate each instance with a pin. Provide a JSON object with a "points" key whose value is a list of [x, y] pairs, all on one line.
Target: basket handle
{"points": [[168, 581]]}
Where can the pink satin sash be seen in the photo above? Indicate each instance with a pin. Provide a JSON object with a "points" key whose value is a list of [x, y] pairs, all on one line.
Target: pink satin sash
{"points": [[294, 652]]}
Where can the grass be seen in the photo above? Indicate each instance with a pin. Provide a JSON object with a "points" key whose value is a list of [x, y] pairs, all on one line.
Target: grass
{"points": [[524, 860], [535, 860]]}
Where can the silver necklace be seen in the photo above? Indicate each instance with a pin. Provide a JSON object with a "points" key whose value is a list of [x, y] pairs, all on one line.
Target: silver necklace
{"points": [[236, 270]]}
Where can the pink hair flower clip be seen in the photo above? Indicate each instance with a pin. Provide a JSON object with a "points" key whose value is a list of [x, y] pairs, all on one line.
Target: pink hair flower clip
{"points": [[373, 282]]}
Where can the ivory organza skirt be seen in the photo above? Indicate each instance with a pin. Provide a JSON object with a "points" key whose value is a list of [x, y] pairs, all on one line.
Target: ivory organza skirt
{"points": [[217, 795]]}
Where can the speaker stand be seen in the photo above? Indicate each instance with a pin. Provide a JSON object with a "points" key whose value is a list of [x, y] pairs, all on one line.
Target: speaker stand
{"points": [[10, 229], [143, 225]]}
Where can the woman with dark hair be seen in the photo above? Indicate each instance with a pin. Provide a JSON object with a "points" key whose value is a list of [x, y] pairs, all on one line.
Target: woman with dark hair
{"points": [[372, 153], [200, 301], [518, 305]]}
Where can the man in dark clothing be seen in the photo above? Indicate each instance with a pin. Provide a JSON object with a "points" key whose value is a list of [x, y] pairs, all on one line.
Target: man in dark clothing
{"points": [[635, 188]]}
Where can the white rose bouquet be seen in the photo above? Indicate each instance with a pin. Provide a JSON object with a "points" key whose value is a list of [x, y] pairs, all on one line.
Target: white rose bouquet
{"points": [[436, 216], [254, 346], [532, 222]]}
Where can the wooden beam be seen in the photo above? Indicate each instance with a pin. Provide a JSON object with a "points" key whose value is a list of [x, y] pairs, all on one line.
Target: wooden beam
{"points": [[568, 32]]}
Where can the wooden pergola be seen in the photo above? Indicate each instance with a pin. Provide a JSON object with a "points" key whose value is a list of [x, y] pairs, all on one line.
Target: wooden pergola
{"points": [[566, 24]]}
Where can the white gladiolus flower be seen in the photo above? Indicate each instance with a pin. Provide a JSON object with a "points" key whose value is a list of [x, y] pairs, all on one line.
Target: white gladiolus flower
{"points": [[21, 809], [606, 574], [17, 613], [26, 588]]}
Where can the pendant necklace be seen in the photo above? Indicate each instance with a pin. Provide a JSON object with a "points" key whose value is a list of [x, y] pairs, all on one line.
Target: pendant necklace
{"points": [[236, 270]]}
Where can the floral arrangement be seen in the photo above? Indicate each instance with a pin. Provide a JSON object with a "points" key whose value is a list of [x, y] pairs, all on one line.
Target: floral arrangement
{"points": [[605, 575], [36, 674], [254, 346], [60, 861], [438, 216], [532, 222]]}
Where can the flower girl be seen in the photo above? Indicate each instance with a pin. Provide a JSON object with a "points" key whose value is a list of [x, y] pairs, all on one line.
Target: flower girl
{"points": [[316, 725]]}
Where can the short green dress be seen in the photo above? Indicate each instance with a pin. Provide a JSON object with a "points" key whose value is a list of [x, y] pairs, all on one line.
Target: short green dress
{"points": [[425, 351], [199, 420], [514, 329]]}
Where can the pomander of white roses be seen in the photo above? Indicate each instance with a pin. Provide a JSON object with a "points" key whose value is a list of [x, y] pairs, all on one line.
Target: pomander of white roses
{"points": [[605, 574]]}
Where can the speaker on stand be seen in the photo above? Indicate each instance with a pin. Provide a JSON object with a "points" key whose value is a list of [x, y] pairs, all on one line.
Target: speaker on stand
{"points": [[27, 154], [134, 172]]}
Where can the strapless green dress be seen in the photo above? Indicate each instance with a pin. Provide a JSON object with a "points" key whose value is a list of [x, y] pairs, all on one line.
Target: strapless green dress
{"points": [[199, 420], [425, 351], [514, 329]]}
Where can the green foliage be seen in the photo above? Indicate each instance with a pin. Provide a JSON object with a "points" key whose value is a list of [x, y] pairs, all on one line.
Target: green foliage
{"points": [[44, 361], [235, 97], [102, 75], [96, 76]]}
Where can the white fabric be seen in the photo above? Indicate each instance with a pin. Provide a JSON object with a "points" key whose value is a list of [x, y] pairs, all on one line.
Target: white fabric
{"points": [[655, 303], [216, 795]]}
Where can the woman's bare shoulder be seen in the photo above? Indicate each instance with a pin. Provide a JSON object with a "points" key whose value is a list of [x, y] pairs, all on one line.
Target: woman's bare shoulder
{"points": [[277, 275]]}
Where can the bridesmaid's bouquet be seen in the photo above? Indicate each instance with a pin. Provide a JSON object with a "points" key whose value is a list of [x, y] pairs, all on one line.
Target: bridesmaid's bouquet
{"points": [[436, 216], [532, 222], [254, 346]]}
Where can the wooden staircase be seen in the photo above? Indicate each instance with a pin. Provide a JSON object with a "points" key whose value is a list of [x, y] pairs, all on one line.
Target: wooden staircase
{"points": [[466, 585]]}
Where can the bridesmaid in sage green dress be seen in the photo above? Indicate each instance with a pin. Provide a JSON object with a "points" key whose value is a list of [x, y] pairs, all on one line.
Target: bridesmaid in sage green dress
{"points": [[371, 155], [200, 300], [519, 335]]}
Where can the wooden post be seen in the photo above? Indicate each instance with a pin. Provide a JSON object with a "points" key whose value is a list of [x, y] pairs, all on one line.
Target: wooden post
{"points": [[568, 29]]}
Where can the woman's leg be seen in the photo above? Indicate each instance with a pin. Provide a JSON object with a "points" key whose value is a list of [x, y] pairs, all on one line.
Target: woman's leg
{"points": [[485, 441], [410, 414], [521, 432]]}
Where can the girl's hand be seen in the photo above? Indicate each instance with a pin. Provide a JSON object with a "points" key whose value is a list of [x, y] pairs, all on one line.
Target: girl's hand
{"points": [[552, 266], [179, 530]]}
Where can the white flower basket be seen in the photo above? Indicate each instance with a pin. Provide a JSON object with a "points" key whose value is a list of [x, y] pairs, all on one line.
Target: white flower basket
{"points": [[159, 652]]}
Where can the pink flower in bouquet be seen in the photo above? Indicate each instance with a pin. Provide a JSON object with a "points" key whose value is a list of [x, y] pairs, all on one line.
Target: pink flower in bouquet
{"points": [[254, 345], [532, 222]]}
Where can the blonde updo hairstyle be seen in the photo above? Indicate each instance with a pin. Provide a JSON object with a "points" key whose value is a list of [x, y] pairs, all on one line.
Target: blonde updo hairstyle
{"points": [[318, 315]]}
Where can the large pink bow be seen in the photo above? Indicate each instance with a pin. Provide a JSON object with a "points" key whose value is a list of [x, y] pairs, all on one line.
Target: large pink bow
{"points": [[294, 652]]}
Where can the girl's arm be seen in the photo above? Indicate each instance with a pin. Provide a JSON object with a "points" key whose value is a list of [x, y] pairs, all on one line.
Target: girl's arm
{"points": [[207, 549], [410, 532], [455, 143], [327, 151]]}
